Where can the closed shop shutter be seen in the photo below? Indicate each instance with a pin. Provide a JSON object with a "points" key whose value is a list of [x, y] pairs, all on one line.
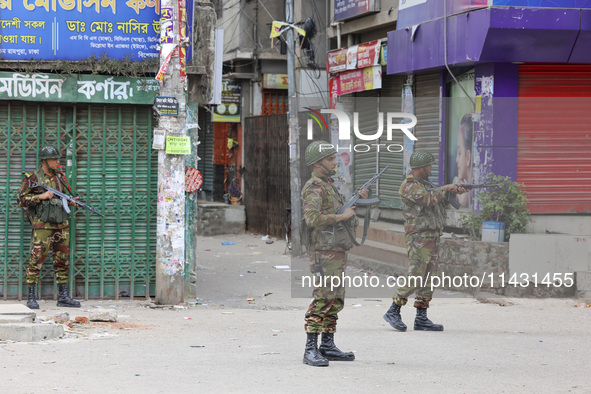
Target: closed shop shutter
{"points": [[391, 101], [554, 137], [428, 113], [205, 149], [365, 163], [108, 156]]}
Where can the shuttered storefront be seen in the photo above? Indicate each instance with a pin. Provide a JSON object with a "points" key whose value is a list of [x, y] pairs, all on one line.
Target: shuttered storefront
{"points": [[428, 113], [554, 137], [368, 105], [391, 101], [205, 150], [108, 157], [365, 163]]}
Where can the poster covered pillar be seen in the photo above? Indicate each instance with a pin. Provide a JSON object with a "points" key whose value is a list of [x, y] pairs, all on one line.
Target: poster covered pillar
{"points": [[495, 134], [171, 108]]}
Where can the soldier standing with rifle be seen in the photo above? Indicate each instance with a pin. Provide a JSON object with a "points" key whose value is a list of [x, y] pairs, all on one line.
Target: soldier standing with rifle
{"points": [[424, 212], [329, 242], [49, 221]]}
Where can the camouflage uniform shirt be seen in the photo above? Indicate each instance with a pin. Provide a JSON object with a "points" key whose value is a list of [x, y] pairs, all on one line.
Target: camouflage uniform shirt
{"points": [[321, 201], [424, 211], [29, 197]]}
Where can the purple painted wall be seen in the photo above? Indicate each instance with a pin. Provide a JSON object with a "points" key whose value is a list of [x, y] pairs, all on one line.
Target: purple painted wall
{"points": [[495, 136], [493, 35], [581, 50]]}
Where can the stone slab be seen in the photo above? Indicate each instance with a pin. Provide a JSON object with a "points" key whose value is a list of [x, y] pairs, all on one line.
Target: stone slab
{"points": [[7, 319], [30, 332], [108, 315], [15, 309]]}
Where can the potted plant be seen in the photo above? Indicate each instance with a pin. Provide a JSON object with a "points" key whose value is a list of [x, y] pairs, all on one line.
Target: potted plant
{"points": [[235, 194], [506, 203]]}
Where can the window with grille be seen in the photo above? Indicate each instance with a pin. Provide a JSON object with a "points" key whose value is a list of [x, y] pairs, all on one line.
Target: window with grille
{"points": [[275, 102]]}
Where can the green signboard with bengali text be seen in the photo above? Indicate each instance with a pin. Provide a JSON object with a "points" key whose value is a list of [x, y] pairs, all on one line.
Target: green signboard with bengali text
{"points": [[78, 88]]}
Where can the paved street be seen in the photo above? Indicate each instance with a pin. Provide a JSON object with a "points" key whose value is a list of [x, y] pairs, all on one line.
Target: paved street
{"points": [[224, 343]]}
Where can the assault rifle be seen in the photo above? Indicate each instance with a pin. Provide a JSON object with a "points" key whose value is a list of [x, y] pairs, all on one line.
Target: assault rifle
{"points": [[453, 200], [357, 200], [65, 199]]}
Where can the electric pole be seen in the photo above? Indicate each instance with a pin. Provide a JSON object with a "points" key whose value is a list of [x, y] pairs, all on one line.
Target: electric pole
{"points": [[294, 136], [170, 233]]}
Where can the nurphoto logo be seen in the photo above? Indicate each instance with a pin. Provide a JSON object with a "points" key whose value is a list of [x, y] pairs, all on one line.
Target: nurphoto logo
{"points": [[406, 121]]}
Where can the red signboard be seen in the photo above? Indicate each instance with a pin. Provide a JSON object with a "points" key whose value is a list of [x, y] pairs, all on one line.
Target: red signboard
{"points": [[193, 179], [356, 81], [336, 61], [368, 54], [352, 58]]}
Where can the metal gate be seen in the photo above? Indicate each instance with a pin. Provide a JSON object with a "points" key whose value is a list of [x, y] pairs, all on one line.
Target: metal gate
{"points": [[106, 151], [266, 179], [554, 139]]}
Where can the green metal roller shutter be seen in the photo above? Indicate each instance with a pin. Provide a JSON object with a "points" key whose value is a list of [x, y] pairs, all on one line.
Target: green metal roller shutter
{"points": [[117, 168], [109, 161], [205, 150]]}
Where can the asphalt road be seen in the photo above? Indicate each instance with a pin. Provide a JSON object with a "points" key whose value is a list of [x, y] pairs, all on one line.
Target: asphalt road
{"points": [[224, 343]]}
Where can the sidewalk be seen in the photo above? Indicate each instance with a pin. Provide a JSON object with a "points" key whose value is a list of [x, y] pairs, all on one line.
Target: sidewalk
{"points": [[227, 344]]}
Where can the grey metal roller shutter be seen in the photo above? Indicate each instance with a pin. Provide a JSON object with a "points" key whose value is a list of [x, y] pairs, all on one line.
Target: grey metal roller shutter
{"points": [[365, 163], [428, 113], [391, 101]]}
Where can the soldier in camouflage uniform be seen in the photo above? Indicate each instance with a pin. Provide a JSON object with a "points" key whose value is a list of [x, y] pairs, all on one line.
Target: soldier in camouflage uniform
{"points": [[328, 247], [50, 228], [424, 213]]}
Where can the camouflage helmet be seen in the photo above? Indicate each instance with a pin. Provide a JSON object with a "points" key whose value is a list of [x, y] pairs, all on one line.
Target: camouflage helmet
{"points": [[421, 158], [317, 151], [48, 152]]}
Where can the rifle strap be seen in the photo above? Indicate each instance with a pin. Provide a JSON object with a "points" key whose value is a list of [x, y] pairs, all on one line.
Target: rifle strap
{"points": [[66, 185], [365, 228]]}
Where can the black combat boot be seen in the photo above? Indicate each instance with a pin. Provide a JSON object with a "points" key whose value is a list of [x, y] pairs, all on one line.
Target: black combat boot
{"points": [[32, 301], [329, 350], [423, 323], [63, 298], [311, 355], [393, 317]]}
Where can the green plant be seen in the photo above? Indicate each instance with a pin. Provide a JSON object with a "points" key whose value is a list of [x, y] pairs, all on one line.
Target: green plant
{"points": [[506, 203]]}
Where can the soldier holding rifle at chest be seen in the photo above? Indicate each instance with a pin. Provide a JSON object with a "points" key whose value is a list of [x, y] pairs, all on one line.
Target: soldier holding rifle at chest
{"points": [[49, 220], [329, 242]]}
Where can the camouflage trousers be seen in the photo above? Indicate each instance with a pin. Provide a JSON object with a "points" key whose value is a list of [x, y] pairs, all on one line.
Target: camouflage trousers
{"points": [[42, 241], [422, 257], [322, 314]]}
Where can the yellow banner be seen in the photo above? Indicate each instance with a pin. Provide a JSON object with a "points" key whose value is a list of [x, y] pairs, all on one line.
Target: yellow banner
{"points": [[276, 29], [178, 145]]}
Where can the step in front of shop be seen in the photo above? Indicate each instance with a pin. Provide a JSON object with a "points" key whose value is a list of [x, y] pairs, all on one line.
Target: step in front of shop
{"points": [[383, 251]]}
